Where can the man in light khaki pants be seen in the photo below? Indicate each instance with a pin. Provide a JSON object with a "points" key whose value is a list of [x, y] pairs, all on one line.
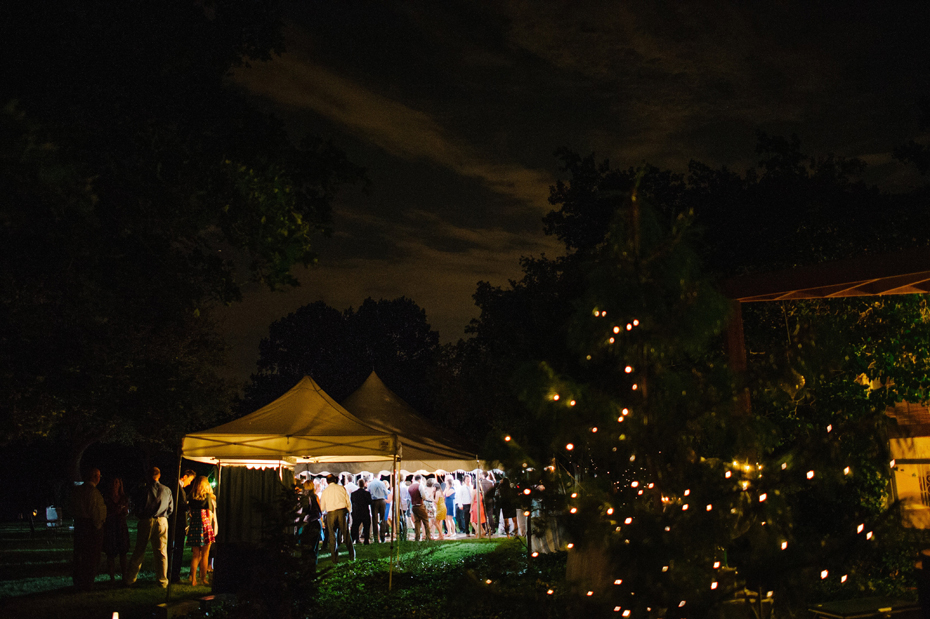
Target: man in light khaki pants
{"points": [[154, 505]]}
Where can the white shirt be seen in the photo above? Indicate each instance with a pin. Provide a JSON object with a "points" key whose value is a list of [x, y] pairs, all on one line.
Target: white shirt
{"points": [[464, 495], [335, 497]]}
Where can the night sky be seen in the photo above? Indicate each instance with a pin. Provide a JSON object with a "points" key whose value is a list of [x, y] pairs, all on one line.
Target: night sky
{"points": [[455, 110]]}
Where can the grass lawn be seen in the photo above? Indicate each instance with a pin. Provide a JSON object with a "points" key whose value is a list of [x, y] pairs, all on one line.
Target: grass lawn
{"points": [[461, 578]]}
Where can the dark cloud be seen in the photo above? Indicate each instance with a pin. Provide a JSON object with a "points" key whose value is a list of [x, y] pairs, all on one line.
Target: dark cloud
{"points": [[456, 108]]}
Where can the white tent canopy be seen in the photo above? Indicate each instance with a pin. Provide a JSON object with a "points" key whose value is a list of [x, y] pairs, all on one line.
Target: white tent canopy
{"points": [[306, 426], [423, 448]]}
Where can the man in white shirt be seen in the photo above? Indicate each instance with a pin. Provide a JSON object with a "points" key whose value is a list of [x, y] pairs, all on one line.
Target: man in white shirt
{"points": [[349, 482], [379, 496], [336, 504]]}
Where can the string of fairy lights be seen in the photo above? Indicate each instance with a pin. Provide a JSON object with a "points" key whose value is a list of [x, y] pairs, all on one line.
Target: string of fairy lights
{"points": [[744, 485]]}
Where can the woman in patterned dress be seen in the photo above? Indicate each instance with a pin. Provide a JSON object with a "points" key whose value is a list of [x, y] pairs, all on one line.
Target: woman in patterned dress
{"points": [[202, 531]]}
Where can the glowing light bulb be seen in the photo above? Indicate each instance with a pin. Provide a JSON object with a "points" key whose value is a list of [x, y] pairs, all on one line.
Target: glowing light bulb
{"points": [[843, 578], [713, 585], [892, 463], [590, 593], [628, 369], [846, 471], [640, 493], [784, 465], [610, 511], [570, 546], [810, 474], [611, 340], [574, 495], [860, 528], [635, 386], [762, 497], [635, 323], [829, 429], [535, 554], [728, 474], [507, 438], [716, 565], [824, 574], [616, 329], [628, 521], [664, 568], [574, 510], [629, 327], [597, 313], [682, 603], [684, 507], [620, 419], [569, 447], [625, 412], [709, 507], [488, 581], [651, 486], [594, 429], [572, 403], [550, 592], [619, 581], [687, 492], [634, 484], [868, 535], [784, 545], [555, 397], [526, 513], [527, 491]]}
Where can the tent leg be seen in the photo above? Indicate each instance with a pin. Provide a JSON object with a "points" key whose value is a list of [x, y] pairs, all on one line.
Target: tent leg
{"points": [[396, 491]]}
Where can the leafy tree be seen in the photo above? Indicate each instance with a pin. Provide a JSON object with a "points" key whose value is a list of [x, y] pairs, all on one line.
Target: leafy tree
{"points": [[140, 189], [674, 499], [792, 210], [340, 349]]}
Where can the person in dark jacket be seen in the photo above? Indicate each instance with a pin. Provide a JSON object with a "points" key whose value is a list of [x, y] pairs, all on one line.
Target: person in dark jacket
{"points": [[361, 512]]}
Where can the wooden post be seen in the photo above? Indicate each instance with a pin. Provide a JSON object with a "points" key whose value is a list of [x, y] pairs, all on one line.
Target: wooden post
{"points": [[736, 350]]}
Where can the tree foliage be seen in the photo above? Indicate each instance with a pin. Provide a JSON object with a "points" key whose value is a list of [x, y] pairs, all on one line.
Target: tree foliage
{"points": [[340, 349], [139, 188], [808, 361]]}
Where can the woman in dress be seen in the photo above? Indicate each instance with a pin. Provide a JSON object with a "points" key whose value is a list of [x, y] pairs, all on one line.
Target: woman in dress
{"points": [[202, 531], [429, 500], [115, 528], [448, 492], [388, 516], [479, 518], [440, 509], [311, 533]]}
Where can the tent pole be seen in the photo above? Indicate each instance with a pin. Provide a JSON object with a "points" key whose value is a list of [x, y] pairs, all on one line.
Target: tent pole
{"points": [[395, 491], [173, 528], [480, 504]]}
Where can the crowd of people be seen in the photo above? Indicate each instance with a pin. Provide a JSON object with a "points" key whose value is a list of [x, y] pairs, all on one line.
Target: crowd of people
{"points": [[100, 526], [339, 512], [334, 513]]}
